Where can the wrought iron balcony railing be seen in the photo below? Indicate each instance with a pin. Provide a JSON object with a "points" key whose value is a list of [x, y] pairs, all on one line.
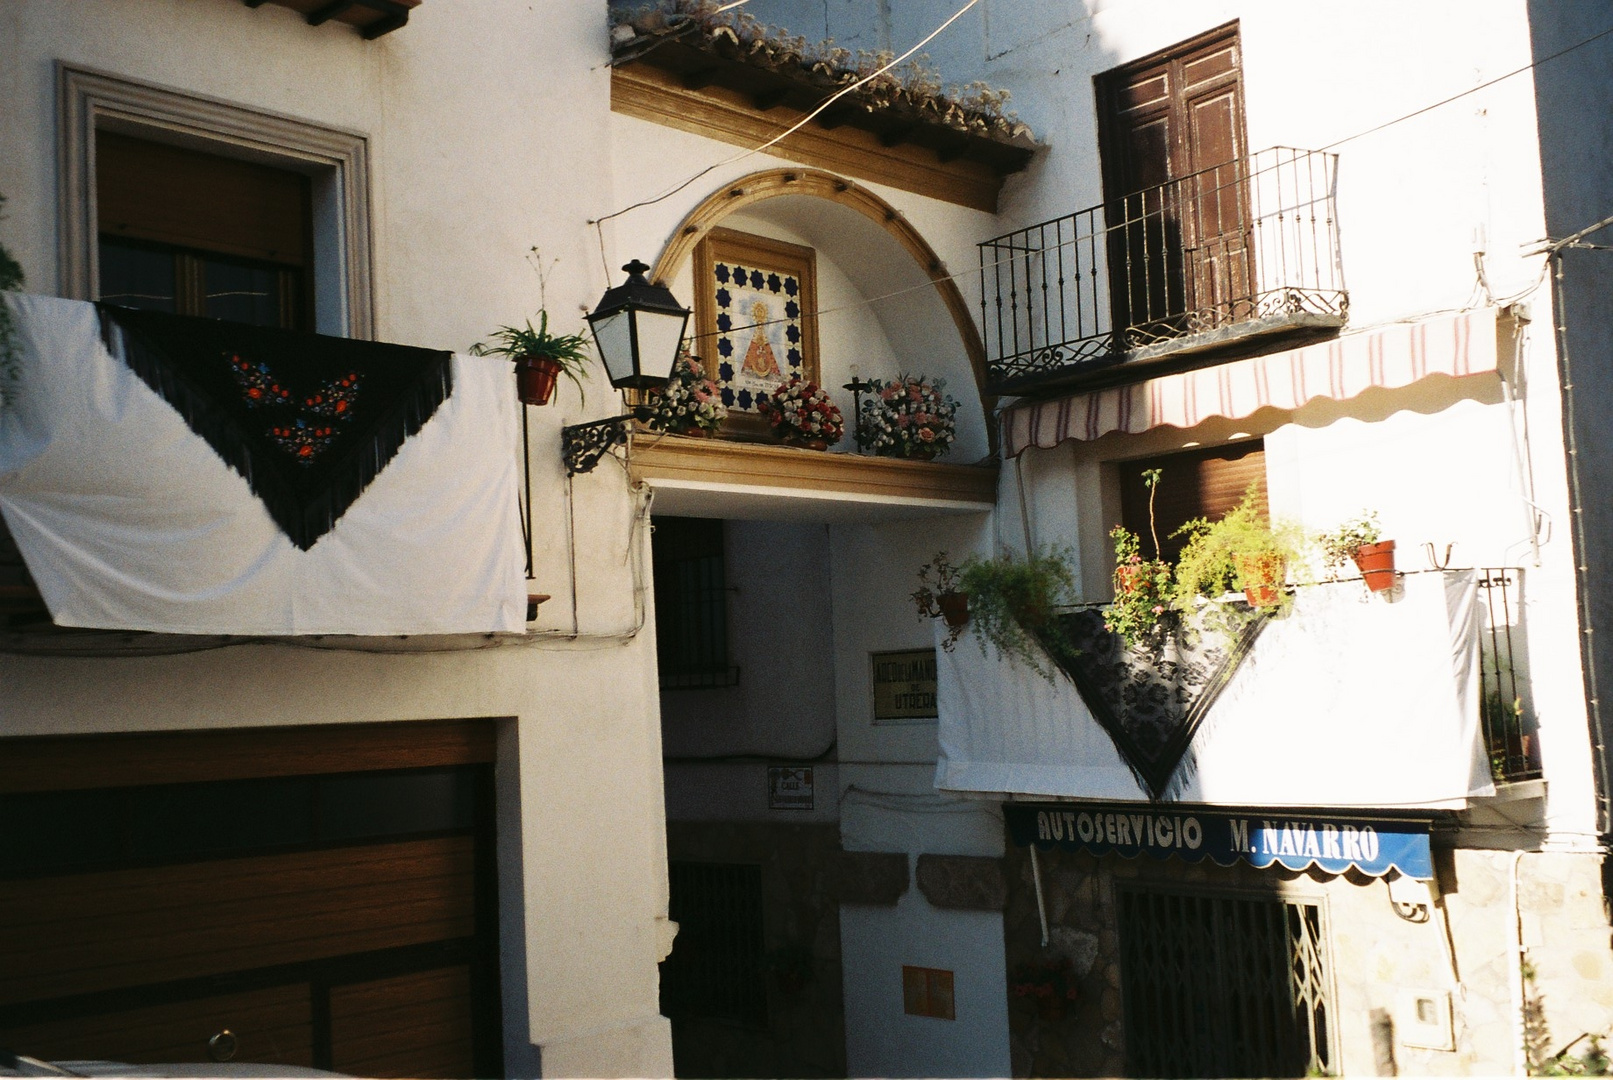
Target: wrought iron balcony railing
{"points": [[1503, 688], [1242, 249]]}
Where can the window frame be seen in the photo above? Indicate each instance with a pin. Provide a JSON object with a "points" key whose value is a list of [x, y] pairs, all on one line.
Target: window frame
{"points": [[337, 161]]}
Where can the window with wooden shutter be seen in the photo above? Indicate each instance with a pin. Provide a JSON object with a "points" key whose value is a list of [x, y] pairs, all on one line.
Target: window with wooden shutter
{"points": [[1193, 483], [198, 234], [1171, 137]]}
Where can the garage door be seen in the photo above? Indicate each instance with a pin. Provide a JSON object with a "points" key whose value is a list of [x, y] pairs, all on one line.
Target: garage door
{"points": [[307, 896]]}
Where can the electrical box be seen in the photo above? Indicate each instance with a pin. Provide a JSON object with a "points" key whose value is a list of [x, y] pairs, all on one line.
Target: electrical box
{"points": [[1423, 1019]]}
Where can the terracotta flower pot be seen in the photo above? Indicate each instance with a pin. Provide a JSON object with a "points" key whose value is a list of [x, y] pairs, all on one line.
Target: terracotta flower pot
{"points": [[535, 378], [954, 608], [1262, 578], [1377, 564], [805, 443]]}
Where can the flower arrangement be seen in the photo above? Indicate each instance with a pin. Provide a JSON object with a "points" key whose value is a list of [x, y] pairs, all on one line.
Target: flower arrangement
{"points": [[690, 401], [801, 412], [911, 416]]}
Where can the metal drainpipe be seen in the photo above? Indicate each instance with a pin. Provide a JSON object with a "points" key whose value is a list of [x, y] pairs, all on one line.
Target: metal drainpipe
{"points": [[1576, 504]]}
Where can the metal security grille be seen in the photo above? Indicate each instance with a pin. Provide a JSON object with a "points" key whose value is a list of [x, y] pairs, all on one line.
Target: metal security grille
{"points": [[715, 970], [691, 604], [1225, 986]]}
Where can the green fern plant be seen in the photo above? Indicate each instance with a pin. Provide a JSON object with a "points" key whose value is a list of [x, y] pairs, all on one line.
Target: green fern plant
{"points": [[1014, 602]]}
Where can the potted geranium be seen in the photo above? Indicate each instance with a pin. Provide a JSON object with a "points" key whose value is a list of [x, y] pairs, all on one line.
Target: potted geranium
{"points": [[800, 413], [540, 357], [1142, 603], [939, 596], [1360, 540], [911, 417], [690, 403]]}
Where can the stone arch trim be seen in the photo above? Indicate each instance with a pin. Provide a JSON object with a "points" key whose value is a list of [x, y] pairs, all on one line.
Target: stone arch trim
{"points": [[761, 186]]}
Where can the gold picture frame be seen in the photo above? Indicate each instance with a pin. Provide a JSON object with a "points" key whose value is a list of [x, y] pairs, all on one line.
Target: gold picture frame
{"points": [[753, 336]]}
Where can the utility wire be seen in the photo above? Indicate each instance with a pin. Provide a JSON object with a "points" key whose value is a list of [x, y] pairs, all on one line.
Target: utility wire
{"points": [[1471, 90], [1572, 240]]}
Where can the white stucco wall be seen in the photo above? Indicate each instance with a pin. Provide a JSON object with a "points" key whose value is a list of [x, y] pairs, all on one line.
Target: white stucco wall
{"points": [[488, 132]]}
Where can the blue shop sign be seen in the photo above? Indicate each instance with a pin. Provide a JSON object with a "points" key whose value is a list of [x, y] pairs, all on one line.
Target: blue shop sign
{"points": [[1261, 838]]}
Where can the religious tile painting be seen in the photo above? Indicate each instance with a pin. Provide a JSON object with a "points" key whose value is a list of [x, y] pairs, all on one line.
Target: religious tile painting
{"points": [[755, 305]]}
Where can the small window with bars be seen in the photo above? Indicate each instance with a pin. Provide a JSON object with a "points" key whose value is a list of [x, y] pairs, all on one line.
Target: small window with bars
{"points": [[1225, 985], [716, 968], [691, 604]]}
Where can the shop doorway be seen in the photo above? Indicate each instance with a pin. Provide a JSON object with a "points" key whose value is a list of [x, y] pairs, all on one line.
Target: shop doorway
{"points": [[1225, 985]]}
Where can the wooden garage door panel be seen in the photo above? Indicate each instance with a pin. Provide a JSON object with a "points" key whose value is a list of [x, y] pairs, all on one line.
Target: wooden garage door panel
{"points": [[85, 932], [273, 1026], [79, 762], [411, 1025]]}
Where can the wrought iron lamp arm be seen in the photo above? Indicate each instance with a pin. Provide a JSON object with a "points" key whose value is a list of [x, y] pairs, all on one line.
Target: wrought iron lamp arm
{"points": [[583, 445]]}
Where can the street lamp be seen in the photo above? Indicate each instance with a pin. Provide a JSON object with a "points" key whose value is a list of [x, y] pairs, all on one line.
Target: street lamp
{"points": [[638, 328]]}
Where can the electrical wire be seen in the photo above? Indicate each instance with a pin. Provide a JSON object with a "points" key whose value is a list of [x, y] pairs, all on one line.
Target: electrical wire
{"points": [[1470, 90], [933, 281]]}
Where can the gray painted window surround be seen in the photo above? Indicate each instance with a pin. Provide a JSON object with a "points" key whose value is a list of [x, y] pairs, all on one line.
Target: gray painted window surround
{"points": [[336, 160]]}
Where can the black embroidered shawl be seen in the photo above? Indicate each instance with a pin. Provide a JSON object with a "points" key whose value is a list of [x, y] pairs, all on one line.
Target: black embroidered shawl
{"points": [[308, 420], [1152, 698]]}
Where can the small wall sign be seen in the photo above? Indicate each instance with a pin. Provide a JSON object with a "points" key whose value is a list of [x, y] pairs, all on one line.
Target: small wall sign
{"points": [[789, 787], [904, 686]]}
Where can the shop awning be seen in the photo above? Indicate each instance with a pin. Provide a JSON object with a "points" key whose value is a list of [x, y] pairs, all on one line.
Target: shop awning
{"points": [[1472, 343], [274, 484], [1261, 838]]}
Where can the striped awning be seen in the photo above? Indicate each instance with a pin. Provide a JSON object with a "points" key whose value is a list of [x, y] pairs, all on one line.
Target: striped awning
{"points": [[1393, 356]]}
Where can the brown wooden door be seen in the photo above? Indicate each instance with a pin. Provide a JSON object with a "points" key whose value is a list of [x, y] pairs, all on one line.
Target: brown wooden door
{"points": [[1176, 194], [342, 920]]}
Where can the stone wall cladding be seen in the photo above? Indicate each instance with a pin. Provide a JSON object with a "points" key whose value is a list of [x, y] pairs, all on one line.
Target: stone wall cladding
{"points": [[962, 882], [1375, 955], [805, 1034]]}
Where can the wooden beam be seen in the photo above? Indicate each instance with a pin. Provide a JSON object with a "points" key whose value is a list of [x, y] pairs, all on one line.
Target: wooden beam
{"points": [[649, 93]]}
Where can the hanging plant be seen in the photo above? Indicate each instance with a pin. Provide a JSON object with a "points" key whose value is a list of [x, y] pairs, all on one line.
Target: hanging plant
{"points": [[1014, 602]]}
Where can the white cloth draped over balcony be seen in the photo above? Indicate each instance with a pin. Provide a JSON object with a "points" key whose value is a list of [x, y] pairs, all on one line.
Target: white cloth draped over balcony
{"points": [[1348, 700], [129, 520], [1458, 346]]}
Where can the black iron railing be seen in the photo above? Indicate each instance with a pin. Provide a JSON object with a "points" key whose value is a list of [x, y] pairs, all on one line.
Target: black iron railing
{"points": [[1240, 248], [1508, 733]]}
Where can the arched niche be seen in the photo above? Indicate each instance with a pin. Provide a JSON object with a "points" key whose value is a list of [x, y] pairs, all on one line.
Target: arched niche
{"points": [[811, 203]]}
